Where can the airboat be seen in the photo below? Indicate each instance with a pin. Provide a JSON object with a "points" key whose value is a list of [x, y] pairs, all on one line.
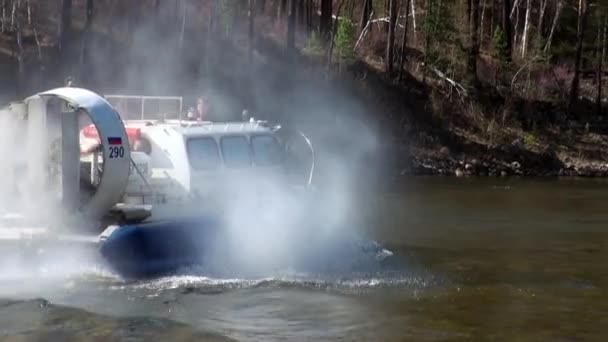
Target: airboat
{"points": [[148, 190]]}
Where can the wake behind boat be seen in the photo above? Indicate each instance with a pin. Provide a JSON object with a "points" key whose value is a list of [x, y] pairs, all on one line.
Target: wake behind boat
{"points": [[167, 193]]}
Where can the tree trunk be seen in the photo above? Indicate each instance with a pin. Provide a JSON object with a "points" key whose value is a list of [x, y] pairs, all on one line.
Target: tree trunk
{"points": [[30, 22], [301, 12], [387, 13], [558, 10], [413, 2], [20, 62], [251, 30], [282, 8], [524, 37], [65, 24], [332, 36], [601, 44], [291, 26], [365, 12], [427, 40], [182, 30], [260, 6], [404, 41], [326, 19], [580, 34], [490, 30], [208, 51], [390, 45], [309, 14], [5, 8], [482, 22], [506, 26], [474, 43], [541, 22], [86, 38], [515, 40], [467, 10]]}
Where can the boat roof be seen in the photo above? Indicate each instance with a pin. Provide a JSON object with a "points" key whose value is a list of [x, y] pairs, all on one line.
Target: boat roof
{"points": [[193, 128]]}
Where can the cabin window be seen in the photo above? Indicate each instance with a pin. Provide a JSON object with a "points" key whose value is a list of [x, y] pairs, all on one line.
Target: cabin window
{"points": [[266, 150], [235, 150], [203, 153]]}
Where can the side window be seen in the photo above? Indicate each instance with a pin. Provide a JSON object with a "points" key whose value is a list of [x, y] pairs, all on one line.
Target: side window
{"points": [[142, 145], [266, 150], [235, 150], [203, 153]]}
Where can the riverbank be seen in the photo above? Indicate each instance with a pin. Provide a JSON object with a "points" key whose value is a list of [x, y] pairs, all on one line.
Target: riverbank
{"points": [[583, 157]]}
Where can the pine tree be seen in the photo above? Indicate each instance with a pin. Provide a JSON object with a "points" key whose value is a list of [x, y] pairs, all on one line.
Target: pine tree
{"points": [[501, 48], [345, 41]]}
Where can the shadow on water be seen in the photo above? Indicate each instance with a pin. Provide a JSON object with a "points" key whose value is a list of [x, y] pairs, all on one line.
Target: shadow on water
{"points": [[39, 320]]}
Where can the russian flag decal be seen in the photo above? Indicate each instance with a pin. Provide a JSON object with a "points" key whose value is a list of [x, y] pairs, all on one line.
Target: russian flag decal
{"points": [[114, 140]]}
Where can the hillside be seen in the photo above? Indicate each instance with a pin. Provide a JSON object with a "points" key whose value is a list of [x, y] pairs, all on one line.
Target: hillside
{"points": [[460, 103]]}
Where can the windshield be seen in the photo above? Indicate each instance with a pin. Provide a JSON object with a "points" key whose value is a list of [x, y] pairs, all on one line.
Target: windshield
{"points": [[266, 150], [203, 153], [236, 152]]}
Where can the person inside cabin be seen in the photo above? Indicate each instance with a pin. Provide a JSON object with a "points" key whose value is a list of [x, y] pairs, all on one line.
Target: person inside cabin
{"points": [[191, 114], [69, 81], [87, 145], [142, 145], [203, 108]]}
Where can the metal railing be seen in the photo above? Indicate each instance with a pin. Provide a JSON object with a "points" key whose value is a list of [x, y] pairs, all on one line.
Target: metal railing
{"points": [[117, 101]]}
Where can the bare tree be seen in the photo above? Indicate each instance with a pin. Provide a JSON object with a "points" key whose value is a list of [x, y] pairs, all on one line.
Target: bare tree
{"points": [[19, 41], [558, 10], [5, 9], [86, 37], [251, 29], [282, 8], [413, 2], [208, 51], [541, 22], [366, 9], [473, 41], [291, 25], [506, 25], [404, 41], [301, 12], [182, 31], [65, 23], [601, 46], [31, 23], [482, 21], [326, 19], [390, 45], [309, 5], [524, 37], [580, 35], [332, 34], [260, 6]]}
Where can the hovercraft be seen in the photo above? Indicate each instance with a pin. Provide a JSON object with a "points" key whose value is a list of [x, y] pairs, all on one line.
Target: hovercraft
{"points": [[160, 188]]}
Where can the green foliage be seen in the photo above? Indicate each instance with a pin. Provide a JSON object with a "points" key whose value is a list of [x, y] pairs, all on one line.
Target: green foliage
{"points": [[314, 47], [439, 27], [529, 140], [499, 43], [345, 41]]}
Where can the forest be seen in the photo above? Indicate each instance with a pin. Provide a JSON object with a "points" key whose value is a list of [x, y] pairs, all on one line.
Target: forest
{"points": [[485, 87]]}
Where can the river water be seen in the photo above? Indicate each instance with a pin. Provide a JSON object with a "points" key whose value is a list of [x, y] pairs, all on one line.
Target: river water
{"points": [[477, 259]]}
